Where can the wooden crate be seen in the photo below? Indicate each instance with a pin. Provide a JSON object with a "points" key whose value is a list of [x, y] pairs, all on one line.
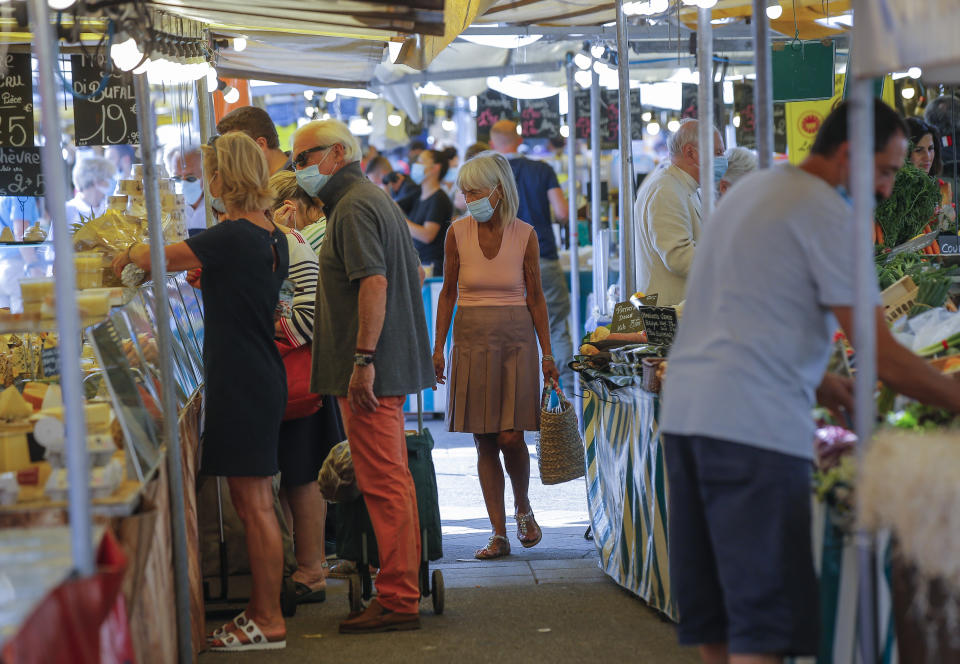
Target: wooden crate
{"points": [[899, 299]]}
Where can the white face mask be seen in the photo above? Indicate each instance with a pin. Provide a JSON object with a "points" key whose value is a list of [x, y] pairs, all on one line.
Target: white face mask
{"points": [[481, 210]]}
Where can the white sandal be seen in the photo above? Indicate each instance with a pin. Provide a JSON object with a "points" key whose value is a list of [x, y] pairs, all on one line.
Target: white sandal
{"points": [[256, 640]]}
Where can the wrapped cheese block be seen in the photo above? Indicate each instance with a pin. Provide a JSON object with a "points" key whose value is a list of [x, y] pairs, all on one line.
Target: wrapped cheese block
{"points": [[13, 406], [34, 393]]}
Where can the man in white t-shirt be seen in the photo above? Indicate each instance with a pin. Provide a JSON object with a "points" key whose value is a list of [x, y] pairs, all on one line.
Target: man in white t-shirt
{"points": [[667, 216], [185, 165], [746, 369]]}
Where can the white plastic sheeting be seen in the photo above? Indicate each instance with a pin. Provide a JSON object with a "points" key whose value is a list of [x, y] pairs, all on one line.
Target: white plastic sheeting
{"points": [[890, 35]]}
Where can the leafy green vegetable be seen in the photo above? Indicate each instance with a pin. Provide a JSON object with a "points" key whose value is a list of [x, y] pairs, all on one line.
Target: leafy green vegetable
{"points": [[910, 207]]}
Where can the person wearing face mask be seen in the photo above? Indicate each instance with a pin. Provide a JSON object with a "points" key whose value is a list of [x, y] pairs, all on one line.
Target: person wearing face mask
{"points": [[370, 349], [667, 216], [431, 214], [747, 366], [245, 260], [739, 162], [185, 166], [492, 278], [295, 209], [94, 180]]}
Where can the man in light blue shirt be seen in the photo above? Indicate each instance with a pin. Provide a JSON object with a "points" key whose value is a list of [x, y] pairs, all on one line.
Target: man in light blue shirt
{"points": [[19, 213], [764, 299]]}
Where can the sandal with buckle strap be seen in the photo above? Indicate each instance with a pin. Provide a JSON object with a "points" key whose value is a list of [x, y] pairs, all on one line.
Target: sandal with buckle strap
{"points": [[497, 546], [526, 526], [253, 637]]}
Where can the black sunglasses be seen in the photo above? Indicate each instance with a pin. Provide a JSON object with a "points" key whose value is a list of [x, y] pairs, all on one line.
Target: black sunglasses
{"points": [[187, 178], [301, 159]]}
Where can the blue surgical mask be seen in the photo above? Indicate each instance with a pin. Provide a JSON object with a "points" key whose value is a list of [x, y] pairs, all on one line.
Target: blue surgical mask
{"points": [[720, 165], [418, 173], [481, 210], [311, 180], [192, 191], [451, 175], [218, 205]]}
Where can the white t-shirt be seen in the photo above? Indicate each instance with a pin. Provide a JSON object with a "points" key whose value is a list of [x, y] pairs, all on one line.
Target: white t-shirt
{"points": [[757, 327], [77, 208], [196, 217]]}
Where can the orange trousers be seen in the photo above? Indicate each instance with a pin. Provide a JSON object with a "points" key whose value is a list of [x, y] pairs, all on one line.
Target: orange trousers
{"points": [[379, 451]]}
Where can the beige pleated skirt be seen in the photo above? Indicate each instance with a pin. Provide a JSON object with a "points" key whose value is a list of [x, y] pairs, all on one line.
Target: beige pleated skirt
{"points": [[494, 372]]}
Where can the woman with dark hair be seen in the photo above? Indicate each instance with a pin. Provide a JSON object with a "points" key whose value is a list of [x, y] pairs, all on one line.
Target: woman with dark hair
{"points": [[431, 214], [926, 154]]}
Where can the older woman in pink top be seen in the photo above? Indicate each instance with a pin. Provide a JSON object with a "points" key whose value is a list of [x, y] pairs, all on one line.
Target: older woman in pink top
{"points": [[491, 274]]}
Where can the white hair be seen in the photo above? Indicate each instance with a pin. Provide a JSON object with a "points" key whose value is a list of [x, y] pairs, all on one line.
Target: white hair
{"points": [[91, 170], [333, 132], [740, 161], [485, 171], [686, 134], [179, 150]]}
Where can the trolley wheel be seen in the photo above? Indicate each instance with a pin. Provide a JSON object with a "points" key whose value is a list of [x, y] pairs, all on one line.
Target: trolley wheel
{"points": [[424, 580], [288, 598], [353, 594], [438, 592]]}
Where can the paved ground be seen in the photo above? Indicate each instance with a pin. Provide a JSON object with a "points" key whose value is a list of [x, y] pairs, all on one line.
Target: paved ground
{"points": [[553, 598]]}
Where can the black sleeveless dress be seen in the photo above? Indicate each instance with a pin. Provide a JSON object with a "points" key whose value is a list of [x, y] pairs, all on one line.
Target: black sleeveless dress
{"points": [[245, 382]]}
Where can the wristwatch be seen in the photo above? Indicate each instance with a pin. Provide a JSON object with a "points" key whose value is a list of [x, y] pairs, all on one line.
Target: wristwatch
{"points": [[362, 359]]}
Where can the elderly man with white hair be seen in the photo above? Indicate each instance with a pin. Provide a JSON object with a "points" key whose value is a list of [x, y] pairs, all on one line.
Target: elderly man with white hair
{"points": [[94, 181], [370, 349], [667, 217], [185, 165]]}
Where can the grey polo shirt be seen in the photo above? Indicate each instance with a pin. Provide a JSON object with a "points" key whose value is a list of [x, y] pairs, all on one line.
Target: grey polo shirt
{"points": [[367, 235]]}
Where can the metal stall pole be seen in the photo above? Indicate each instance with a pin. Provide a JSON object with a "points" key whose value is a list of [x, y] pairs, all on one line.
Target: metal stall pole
{"points": [[148, 149], [68, 319], [628, 274], [575, 323], [705, 111], [599, 262], [465, 128], [206, 129], [763, 86], [860, 131]]}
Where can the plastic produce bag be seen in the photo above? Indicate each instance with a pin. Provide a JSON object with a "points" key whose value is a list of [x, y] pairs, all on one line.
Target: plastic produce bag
{"points": [[338, 483], [933, 327]]}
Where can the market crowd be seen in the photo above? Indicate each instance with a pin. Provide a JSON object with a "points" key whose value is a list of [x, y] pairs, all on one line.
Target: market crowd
{"points": [[315, 333]]}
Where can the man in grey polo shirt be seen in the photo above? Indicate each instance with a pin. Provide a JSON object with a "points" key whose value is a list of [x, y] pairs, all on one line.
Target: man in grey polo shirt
{"points": [[371, 349], [747, 366]]}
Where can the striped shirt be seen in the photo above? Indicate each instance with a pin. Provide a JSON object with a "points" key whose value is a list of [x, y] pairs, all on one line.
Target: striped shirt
{"points": [[304, 272], [314, 233]]}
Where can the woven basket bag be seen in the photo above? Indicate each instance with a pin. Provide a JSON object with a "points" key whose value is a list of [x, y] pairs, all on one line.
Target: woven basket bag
{"points": [[559, 446]]}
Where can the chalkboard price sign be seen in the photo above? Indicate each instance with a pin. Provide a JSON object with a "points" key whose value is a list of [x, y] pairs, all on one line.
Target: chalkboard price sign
{"points": [[20, 172], [949, 243], [50, 362], [493, 106], [16, 102], [626, 318], [540, 118], [660, 324], [110, 116]]}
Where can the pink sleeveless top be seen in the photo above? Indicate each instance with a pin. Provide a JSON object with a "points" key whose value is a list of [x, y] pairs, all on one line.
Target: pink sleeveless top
{"points": [[491, 283]]}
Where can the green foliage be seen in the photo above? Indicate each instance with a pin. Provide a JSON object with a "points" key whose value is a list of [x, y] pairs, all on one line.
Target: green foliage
{"points": [[910, 207]]}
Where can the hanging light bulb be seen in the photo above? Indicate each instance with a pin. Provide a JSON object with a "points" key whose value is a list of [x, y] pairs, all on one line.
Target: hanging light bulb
{"points": [[308, 95], [706, 4], [914, 72], [394, 120], [659, 6], [211, 79], [908, 93], [330, 97], [647, 116], [736, 121], [582, 60], [673, 125], [653, 128], [60, 5], [126, 55], [583, 79], [565, 131], [448, 125], [597, 50], [239, 43], [599, 67], [774, 10], [231, 95]]}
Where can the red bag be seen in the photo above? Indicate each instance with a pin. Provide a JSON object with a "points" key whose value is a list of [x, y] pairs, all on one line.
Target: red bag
{"points": [[301, 402]]}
